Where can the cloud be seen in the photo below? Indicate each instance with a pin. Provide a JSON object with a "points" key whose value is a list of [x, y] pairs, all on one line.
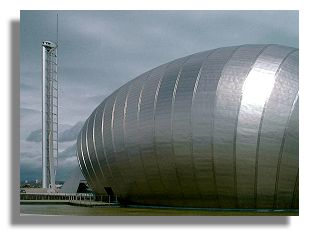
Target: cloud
{"points": [[66, 133], [30, 120], [68, 152], [97, 99], [66, 168], [28, 171], [71, 133], [35, 136], [30, 161], [29, 149]]}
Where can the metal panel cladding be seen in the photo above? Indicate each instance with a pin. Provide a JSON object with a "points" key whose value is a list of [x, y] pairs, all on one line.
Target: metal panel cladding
{"points": [[214, 129]]}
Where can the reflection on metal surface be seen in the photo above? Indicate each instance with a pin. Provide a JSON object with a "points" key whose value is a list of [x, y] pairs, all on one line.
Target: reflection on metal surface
{"points": [[213, 129], [257, 87]]}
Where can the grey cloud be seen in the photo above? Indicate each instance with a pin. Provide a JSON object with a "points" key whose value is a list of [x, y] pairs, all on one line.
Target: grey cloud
{"points": [[71, 133], [28, 156], [24, 112], [66, 167], [29, 150], [35, 136], [69, 152], [66, 133], [97, 99], [25, 86], [31, 162]]}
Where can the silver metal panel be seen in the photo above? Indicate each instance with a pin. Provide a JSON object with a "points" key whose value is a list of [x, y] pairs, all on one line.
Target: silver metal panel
{"points": [[272, 124], [228, 99], [181, 125], [214, 129], [202, 122], [287, 178], [88, 147], [295, 200], [163, 130], [97, 142], [146, 131], [140, 188], [256, 89], [109, 145], [92, 158], [100, 147], [288, 162], [79, 157], [274, 129], [84, 158], [122, 166]]}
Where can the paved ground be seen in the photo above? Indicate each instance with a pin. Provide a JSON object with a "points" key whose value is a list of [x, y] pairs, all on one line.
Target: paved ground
{"points": [[66, 202], [132, 211]]}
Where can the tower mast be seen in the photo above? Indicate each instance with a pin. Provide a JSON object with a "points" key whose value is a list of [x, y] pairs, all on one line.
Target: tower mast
{"points": [[49, 112]]}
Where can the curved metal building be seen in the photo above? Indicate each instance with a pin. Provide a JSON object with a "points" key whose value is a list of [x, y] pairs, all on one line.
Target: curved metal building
{"points": [[214, 129]]}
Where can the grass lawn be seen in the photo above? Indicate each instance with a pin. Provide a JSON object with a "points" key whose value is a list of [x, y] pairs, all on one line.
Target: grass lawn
{"points": [[140, 211]]}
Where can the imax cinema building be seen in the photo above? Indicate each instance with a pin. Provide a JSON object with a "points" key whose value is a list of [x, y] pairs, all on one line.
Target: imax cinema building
{"points": [[216, 129]]}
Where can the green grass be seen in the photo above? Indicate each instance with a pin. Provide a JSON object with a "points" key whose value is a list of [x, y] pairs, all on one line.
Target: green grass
{"points": [[132, 211]]}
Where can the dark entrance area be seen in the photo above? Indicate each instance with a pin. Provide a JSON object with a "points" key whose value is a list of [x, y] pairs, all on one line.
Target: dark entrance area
{"points": [[109, 191]]}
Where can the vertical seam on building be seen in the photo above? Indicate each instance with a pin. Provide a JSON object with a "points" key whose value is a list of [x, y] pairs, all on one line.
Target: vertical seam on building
{"points": [[94, 143], [87, 149], [171, 122], [236, 124], [192, 101], [281, 150], [103, 145], [124, 122], [213, 129], [138, 127], [294, 191], [112, 120], [112, 133], [154, 127], [260, 129], [82, 153], [78, 154]]}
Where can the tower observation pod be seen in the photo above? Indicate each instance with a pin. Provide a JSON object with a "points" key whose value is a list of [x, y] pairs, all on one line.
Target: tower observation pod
{"points": [[49, 114]]}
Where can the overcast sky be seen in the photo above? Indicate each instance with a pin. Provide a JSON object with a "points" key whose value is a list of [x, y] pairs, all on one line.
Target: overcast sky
{"points": [[101, 50]]}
